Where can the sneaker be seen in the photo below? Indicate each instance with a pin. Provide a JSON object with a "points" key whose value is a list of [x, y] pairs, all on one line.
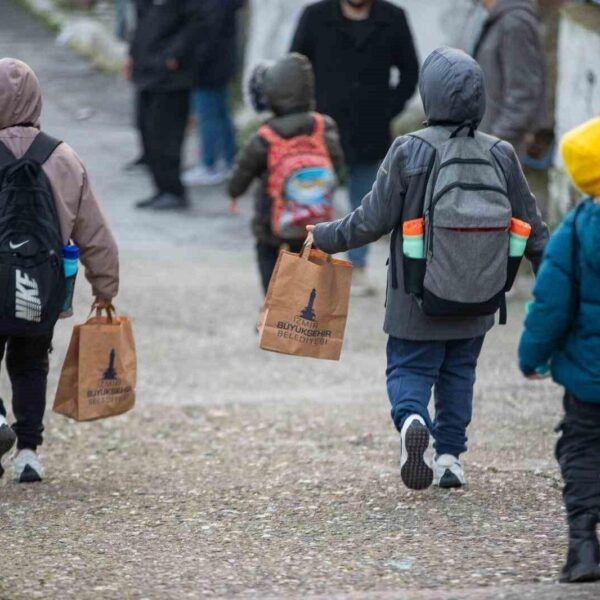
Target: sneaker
{"points": [[7, 439], [169, 202], [415, 454], [27, 466], [361, 287], [448, 472], [136, 164], [202, 175], [146, 202]]}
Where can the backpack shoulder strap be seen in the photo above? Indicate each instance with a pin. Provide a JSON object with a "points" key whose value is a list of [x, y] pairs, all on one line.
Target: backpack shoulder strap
{"points": [[489, 140], [434, 136], [6, 156], [319, 129], [42, 148], [269, 134]]}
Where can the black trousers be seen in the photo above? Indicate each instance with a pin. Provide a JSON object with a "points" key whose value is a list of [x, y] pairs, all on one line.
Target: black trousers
{"points": [[162, 119], [578, 453], [266, 255], [139, 123], [27, 363]]}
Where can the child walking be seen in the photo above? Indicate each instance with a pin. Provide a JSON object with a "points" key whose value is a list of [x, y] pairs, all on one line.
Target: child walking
{"points": [[39, 177], [563, 331], [463, 188], [294, 154]]}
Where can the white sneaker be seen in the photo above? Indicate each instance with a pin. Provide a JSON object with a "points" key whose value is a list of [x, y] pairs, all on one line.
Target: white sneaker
{"points": [[7, 439], [448, 472], [202, 175], [27, 466], [361, 286], [415, 454]]}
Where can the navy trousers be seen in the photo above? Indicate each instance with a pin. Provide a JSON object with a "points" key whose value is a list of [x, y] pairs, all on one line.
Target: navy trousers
{"points": [[415, 367]]}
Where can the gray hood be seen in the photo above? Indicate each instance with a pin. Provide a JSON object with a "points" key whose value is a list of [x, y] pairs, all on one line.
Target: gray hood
{"points": [[290, 85], [452, 87]]}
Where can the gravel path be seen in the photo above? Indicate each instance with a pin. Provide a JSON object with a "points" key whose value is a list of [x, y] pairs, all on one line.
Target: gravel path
{"points": [[245, 474]]}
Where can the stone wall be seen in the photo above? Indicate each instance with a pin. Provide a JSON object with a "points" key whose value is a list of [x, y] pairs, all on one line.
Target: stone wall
{"points": [[578, 87]]}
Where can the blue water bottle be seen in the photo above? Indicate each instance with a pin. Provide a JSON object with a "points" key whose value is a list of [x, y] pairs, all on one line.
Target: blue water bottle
{"points": [[71, 266]]}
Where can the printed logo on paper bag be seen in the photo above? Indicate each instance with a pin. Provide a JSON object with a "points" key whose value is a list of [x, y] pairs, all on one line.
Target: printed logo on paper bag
{"points": [[110, 388], [305, 327], [111, 373], [309, 312]]}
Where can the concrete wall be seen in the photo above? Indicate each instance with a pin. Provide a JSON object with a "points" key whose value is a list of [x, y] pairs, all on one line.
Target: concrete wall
{"points": [[578, 87]]}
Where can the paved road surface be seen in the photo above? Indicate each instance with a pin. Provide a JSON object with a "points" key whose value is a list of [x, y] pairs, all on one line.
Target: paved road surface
{"points": [[247, 474]]}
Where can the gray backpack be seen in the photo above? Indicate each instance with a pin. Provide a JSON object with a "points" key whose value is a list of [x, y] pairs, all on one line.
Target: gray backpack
{"points": [[467, 269]]}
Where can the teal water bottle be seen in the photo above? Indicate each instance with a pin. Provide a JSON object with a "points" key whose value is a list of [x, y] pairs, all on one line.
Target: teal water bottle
{"points": [[519, 236], [413, 238], [71, 266]]}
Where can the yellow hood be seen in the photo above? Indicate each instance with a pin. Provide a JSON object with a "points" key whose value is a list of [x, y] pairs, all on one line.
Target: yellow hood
{"points": [[20, 94], [581, 153]]}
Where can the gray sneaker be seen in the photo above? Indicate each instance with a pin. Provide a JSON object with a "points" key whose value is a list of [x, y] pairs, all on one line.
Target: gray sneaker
{"points": [[27, 466], [415, 454], [7, 440], [448, 472]]}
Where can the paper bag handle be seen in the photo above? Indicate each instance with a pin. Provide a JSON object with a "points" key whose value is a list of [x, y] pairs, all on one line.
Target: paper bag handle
{"points": [[307, 247], [110, 311]]}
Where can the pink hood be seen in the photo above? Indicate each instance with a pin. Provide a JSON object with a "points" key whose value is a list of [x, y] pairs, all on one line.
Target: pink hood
{"points": [[20, 94]]}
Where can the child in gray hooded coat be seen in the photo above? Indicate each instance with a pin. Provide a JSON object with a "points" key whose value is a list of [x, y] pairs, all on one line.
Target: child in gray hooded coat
{"points": [[425, 352]]}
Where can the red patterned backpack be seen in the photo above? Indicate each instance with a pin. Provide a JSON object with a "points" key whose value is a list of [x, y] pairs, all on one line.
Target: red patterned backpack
{"points": [[301, 180]]}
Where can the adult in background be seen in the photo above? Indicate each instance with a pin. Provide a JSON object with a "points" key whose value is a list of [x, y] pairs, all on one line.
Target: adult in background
{"points": [[353, 46], [510, 52], [163, 69], [217, 56]]}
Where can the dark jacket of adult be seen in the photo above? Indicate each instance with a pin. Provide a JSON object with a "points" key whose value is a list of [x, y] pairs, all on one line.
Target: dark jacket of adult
{"points": [[217, 51], [290, 90], [352, 62], [511, 54], [563, 326], [453, 91], [166, 29]]}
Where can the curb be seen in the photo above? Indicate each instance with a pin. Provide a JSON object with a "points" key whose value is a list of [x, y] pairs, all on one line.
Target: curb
{"points": [[85, 35]]}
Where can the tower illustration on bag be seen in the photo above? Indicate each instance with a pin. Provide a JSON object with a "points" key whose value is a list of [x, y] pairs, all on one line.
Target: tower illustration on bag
{"points": [[467, 265], [31, 272], [301, 180]]}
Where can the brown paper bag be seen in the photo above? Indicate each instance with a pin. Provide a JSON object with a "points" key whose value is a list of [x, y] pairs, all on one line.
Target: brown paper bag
{"points": [[98, 378], [306, 307]]}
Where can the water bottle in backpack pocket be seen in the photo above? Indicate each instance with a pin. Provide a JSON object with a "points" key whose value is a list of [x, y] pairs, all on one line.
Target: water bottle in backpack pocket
{"points": [[31, 267], [301, 180], [467, 266], [71, 267]]}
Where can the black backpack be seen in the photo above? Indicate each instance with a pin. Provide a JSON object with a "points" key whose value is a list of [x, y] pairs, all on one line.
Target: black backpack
{"points": [[32, 280]]}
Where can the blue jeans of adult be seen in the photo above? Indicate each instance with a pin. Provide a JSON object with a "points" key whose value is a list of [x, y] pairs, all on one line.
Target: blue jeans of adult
{"points": [[215, 127], [415, 367], [360, 181]]}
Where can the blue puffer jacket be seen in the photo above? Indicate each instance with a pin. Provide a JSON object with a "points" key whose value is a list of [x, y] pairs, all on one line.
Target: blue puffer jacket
{"points": [[564, 324]]}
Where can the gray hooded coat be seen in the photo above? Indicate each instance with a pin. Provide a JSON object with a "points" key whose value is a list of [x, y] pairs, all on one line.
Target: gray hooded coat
{"points": [[453, 92], [511, 54]]}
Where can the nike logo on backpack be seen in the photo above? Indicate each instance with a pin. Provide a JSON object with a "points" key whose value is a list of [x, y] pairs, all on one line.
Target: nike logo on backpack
{"points": [[15, 246], [27, 299]]}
